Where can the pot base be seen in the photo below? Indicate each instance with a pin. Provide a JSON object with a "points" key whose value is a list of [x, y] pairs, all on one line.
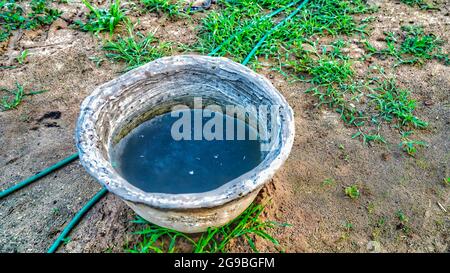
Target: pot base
{"points": [[194, 220]]}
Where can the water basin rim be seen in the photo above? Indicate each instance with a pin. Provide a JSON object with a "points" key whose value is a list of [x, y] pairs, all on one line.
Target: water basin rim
{"points": [[97, 166]]}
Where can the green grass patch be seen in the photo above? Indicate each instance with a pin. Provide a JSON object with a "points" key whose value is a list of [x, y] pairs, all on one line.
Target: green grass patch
{"points": [[136, 49], [393, 102], [41, 14], [327, 68], [99, 20], [411, 46], [330, 71], [241, 18], [388, 103], [13, 16], [422, 4], [247, 226], [172, 8], [249, 23], [329, 17], [367, 104]]}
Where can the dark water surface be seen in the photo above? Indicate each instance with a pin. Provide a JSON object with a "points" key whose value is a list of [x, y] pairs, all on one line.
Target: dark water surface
{"points": [[150, 159]]}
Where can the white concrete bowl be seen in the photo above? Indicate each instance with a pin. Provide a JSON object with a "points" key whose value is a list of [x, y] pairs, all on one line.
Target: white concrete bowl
{"points": [[115, 108]]}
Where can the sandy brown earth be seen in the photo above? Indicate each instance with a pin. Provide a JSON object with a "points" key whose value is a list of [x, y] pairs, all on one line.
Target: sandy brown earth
{"points": [[319, 214]]}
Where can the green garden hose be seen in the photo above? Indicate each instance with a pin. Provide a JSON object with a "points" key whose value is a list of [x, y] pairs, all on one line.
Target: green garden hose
{"points": [[79, 215], [77, 219], [39, 175]]}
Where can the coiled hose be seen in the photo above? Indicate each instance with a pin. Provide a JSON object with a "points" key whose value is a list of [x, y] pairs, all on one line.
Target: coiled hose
{"points": [[79, 215]]}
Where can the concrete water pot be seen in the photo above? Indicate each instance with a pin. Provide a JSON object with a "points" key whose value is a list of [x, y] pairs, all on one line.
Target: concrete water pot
{"points": [[115, 108]]}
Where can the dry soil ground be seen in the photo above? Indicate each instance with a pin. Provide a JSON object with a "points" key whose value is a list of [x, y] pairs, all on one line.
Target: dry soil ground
{"points": [[320, 214]]}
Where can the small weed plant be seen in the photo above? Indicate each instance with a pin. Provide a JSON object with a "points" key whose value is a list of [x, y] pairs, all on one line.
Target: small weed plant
{"points": [[99, 20], [15, 96], [352, 192], [173, 9], [14, 17]]}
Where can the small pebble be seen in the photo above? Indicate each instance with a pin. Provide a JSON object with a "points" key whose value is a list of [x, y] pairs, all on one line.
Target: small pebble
{"points": [[374, 247]]}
